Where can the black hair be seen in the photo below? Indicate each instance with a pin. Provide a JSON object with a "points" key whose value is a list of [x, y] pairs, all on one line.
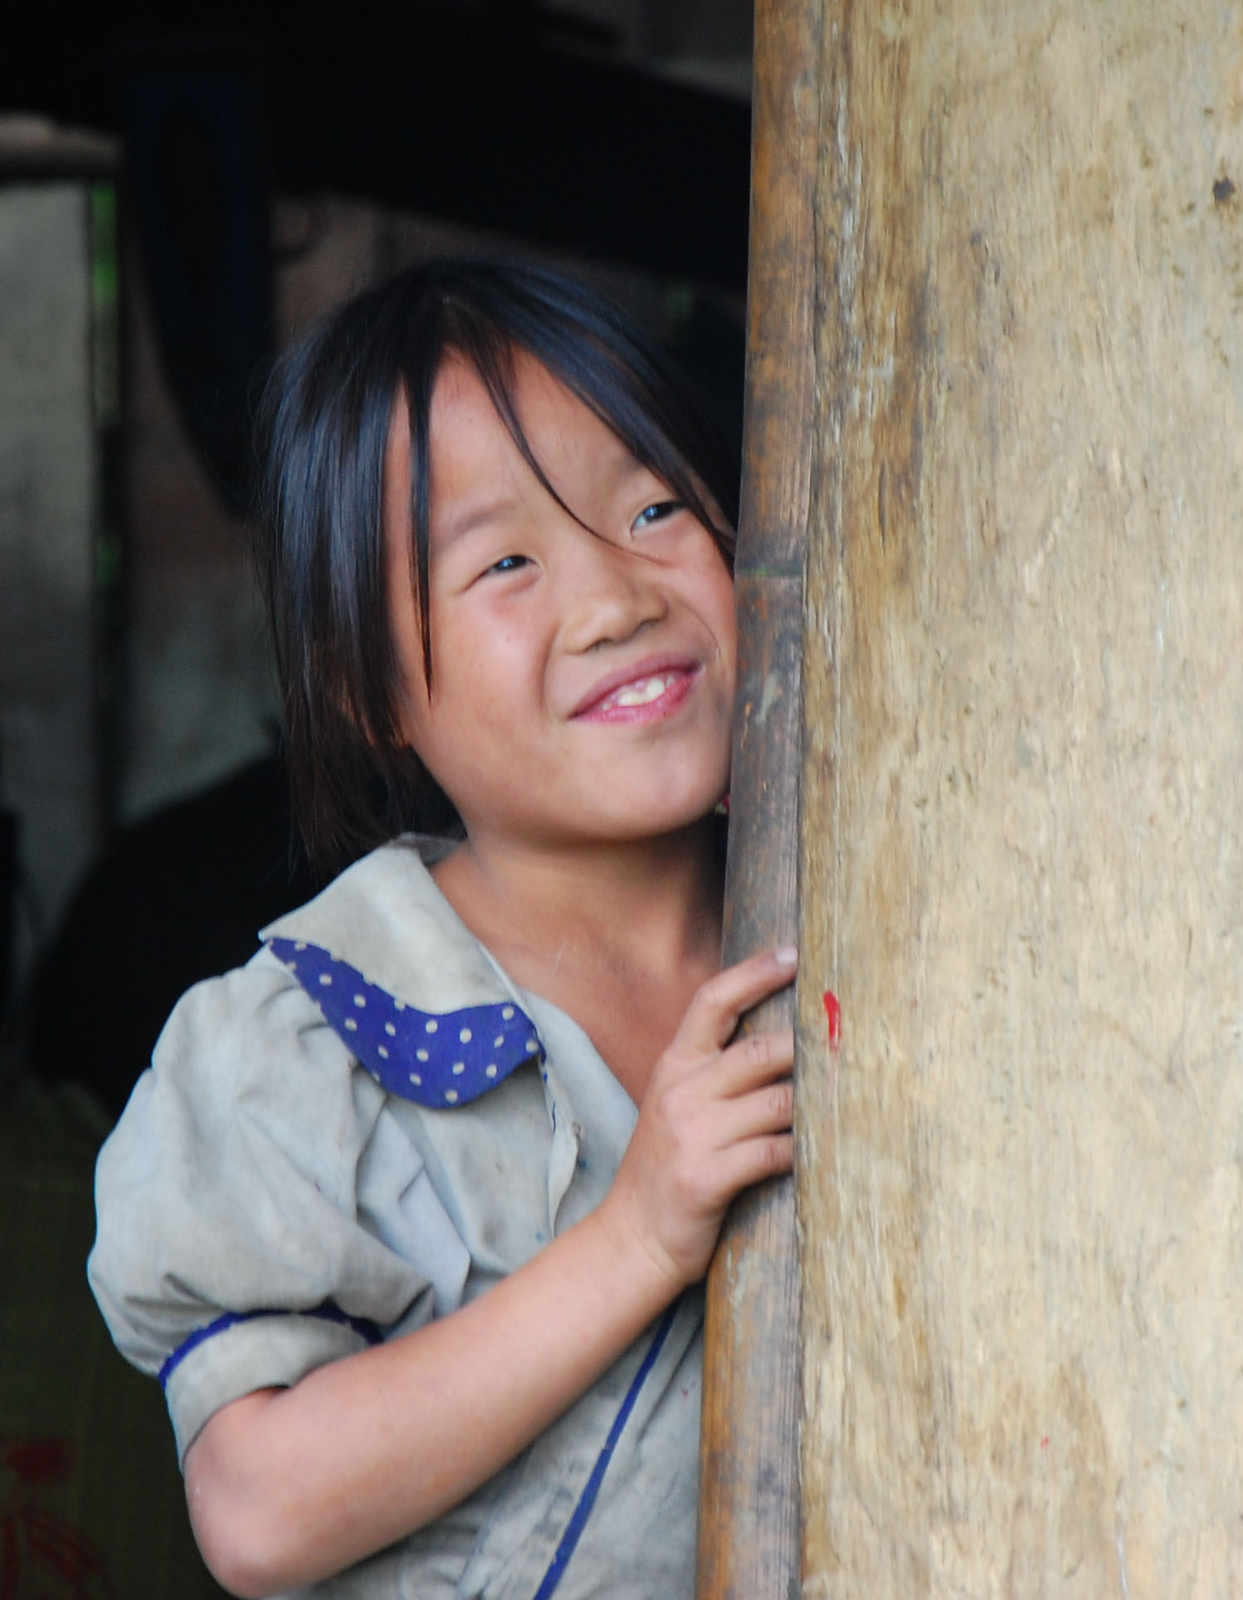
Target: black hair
{"points": [[325, 425]]}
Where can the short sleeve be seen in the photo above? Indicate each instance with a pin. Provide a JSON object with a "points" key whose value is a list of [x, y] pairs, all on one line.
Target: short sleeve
{"points": [[260, 1211]]}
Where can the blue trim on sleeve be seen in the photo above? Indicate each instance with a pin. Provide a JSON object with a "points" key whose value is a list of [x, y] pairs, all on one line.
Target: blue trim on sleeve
{"points": [[574, 1529], [362, 1326]]}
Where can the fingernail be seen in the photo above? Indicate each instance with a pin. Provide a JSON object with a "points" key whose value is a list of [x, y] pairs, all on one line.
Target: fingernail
{"points": [[786, 956]]}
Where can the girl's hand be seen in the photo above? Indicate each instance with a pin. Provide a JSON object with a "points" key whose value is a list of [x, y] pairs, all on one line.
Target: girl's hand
{"points": [[716, 1118]]}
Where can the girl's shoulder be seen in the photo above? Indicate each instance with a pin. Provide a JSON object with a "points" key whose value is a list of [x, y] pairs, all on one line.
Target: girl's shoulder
{"points": [[375, 978], [260, 1210], [385, 917], [396, 975]]}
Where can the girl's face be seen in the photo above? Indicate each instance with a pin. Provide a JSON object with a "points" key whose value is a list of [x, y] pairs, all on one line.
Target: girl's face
{"points": [[583, 681]]}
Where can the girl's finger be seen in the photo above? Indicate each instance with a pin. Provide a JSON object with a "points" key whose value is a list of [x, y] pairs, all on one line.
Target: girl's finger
{"points": [[768, 1155], [713, 1014], [751, 1062], [761, 1112]]}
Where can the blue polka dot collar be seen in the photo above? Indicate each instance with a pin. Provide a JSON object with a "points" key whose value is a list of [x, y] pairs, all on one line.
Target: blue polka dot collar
{"points": [[438, 1059]]}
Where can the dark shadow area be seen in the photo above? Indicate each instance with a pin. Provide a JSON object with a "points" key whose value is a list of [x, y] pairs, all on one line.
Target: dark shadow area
{"points": [[501, 116], [178, 897]]}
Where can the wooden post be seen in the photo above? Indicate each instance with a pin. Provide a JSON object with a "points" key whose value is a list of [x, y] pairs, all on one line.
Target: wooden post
{"points": [[1021, 1178], [748, 1526]]}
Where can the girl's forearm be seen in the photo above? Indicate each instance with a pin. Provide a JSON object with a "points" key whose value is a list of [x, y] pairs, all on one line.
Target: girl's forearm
{"points": [[288, 1486]]}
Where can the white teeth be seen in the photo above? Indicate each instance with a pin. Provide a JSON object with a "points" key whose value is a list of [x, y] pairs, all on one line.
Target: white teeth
{"points": [[641, 694]]}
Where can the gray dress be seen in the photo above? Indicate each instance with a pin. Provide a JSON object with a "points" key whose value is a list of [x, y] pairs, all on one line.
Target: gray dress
{"points": [[364, 1128]]}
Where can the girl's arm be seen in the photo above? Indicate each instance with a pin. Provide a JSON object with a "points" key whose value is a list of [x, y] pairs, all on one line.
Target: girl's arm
{"points": [[289, 1486]]}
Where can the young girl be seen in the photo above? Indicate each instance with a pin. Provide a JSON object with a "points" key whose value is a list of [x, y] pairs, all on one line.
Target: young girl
{"points": [[418, 1279]]}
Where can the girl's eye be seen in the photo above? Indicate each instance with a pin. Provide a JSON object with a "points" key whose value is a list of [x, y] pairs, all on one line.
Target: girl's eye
{"points": [[508, 564], [656, 512]]}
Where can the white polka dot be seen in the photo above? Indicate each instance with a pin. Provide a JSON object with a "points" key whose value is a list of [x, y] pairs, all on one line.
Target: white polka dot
{"points": [[459, 1067], [451, 1095], [532, 1044], [301, 945], [498, 1041], [416, 1080], [360, 999], [420, 1055], [325, 977], [464, 1036], [351, 1024], [390, 1029], [292, 965], [382, 1051], [400, 1004], [431, 1024], [490, 1070]]}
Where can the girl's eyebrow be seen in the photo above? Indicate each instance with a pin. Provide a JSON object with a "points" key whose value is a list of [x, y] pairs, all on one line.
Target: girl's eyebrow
{"points": [[625, 469], [476, 514], [473, 517]]}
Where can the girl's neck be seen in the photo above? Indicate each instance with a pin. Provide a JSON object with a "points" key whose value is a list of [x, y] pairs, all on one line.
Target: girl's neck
{"points": [[655, 897], [619, 936]]}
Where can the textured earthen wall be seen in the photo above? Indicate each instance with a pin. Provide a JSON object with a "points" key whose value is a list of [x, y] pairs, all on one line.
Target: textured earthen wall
{"points": [[1023, 805], [47, 509]]}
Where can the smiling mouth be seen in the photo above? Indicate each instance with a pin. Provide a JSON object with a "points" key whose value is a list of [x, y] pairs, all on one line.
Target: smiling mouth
{"points": [[649, 694], [642, 693]]}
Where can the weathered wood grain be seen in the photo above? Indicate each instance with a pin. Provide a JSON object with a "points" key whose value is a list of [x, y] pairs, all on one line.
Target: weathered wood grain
{"points": [[1021, 1171], [748, 1539]]}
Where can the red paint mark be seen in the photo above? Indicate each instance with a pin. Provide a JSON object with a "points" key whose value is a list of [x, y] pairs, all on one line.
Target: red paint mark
{"points": [[1044, 1443], [833, 1010]]}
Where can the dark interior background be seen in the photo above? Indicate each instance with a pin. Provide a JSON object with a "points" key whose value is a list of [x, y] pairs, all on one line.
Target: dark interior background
{"points": [[264, 162], [182, 190]]}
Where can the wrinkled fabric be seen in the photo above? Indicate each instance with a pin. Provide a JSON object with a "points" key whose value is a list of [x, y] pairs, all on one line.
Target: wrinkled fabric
{"points": [[266, 1206]]}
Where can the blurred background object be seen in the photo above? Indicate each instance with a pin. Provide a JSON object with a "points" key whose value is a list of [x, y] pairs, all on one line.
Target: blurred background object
{"points": [[60, 533]]}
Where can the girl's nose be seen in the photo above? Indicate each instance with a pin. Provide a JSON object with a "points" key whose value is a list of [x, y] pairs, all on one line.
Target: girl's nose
{"points": [[610, 594]]}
